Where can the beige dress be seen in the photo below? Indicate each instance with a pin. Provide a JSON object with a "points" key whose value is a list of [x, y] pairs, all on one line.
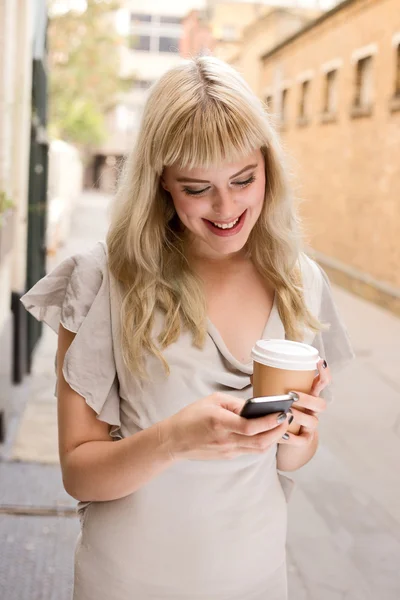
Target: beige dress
{"points": [[202, 530]]}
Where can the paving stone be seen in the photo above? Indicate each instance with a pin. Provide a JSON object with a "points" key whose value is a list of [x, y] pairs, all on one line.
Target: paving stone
{"points": [[37, 557], [23, 484]]}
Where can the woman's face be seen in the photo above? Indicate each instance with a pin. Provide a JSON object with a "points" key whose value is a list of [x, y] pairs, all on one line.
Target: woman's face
{"points": [[230, 196]]}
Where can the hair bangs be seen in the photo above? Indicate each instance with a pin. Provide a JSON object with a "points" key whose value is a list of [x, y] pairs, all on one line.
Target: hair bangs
{"points": [[211, 134]]}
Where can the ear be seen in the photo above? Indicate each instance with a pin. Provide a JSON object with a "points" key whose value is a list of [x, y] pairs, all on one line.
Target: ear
{"points": [[163, 184]]}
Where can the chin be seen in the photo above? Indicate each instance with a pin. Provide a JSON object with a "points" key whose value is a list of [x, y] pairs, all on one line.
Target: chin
{"points": [[230, 248]]}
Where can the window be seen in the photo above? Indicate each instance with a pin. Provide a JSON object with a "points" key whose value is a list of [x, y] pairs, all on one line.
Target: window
{"points": [[140, 42], [141, 84], [330, 93], [394, 104], [397, 73], [363, 93], [284, 105], [304, 101], [171, 20], [139, 18], [169, 44]]}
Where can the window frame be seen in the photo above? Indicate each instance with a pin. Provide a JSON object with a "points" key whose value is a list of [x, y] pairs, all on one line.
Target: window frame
{"points": [[165, 37], [134, 36], [304, 116], [283, 109], [363, 86]]}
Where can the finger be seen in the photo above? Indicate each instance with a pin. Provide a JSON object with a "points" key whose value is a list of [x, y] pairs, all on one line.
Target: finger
{"points": [[260, 441], [251, 427], [230, 403], [314, 403], [323, 378], [305, 419], [302, 439]]}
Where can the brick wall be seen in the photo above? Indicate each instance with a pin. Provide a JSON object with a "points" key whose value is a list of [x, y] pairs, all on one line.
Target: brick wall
{"points": [[347, 166], [196, 35], [262, 35]]}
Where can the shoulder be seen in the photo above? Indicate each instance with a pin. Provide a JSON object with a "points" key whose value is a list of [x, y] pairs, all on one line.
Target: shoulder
{"points": [[92, 262], [89, 268], [68, 292], [310, 270], [313, 279]]}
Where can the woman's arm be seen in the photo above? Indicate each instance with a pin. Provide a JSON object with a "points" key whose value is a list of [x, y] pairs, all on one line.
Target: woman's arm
{"points": [[93, 466]]}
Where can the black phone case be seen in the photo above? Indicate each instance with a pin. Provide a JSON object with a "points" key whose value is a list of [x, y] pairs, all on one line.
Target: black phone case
{"points": [[253, 410]]}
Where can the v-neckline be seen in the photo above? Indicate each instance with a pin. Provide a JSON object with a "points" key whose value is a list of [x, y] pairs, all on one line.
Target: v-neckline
{"points": [[273, 330]]}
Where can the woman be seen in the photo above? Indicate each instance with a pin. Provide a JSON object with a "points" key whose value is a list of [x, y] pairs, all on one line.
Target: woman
{"points": [[155, 332]]}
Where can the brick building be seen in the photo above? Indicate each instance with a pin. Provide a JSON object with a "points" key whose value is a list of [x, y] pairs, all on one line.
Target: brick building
{"points": [[196, 35], [335, 89], [263, 34], [227, 22]]}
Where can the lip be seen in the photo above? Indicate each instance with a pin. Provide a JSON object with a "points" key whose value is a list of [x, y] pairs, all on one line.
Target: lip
{"points": [[227, 221], [227, 232]]}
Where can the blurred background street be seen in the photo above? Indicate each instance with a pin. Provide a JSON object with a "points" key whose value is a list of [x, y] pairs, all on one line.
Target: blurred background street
{"points": [[75, 78]]}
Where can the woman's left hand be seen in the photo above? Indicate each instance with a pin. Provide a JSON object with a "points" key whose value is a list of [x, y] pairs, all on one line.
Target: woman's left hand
{"points": [[311, 406]]}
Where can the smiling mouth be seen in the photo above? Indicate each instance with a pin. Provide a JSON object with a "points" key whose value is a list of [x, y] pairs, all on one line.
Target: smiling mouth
{"points": [[229, 225]]}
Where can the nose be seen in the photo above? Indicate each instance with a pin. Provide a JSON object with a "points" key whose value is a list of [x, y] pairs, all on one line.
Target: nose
{"points": [[224, 205]]}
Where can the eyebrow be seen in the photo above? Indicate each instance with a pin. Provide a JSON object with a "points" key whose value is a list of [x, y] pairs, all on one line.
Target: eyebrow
{"points": [[185, 179]]}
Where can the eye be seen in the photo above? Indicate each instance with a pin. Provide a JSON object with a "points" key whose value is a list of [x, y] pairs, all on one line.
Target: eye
{"points": [[241, 184], [190, 192], [246, 182]]}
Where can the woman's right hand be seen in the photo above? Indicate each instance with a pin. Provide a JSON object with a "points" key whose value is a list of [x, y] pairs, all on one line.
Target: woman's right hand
{"points": [[212, 429]]}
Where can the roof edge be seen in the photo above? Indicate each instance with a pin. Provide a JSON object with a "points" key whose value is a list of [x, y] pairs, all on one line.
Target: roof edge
{"points": [[309, 26]]}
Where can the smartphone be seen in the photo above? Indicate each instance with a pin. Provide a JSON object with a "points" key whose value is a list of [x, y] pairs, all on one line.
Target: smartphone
{"points": [[265, 405]]}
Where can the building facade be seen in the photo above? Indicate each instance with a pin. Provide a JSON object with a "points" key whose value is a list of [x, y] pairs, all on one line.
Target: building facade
{"points": [[23, 183], [152, 33], [197, 38], [227, 22], [334, 88], [263, 34]]}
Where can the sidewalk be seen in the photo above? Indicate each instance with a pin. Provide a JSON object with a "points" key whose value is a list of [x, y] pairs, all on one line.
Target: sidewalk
{"points": [[344, 517], [38, 523]]}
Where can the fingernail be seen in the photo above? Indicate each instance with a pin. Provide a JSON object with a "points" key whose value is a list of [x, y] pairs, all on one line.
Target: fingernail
{"points": [[281, 418], [324, 364], [291, 419], [294, 396], [286, 436]]}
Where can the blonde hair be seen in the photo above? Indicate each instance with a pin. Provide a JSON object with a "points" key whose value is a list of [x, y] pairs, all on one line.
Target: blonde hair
{"points": [[198, 114]]}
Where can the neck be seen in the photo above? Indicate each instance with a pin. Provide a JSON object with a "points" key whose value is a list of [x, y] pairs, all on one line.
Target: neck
{"points": [[202, 257]]}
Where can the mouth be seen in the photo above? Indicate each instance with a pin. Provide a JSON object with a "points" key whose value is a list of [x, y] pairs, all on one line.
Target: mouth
{"points": [[226, 229]]}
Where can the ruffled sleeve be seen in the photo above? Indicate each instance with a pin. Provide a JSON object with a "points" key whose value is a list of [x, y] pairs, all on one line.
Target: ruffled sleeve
{"points": [[77, 295], [334, 344]]}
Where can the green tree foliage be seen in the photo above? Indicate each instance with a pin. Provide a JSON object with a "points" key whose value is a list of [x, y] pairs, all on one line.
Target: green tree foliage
{"points": [[84, 56]]}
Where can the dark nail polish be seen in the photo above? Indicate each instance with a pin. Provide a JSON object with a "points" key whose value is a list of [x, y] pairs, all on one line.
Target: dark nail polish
{"points": [[324, 364], [281, 418], [286, 436], [291, 419]]}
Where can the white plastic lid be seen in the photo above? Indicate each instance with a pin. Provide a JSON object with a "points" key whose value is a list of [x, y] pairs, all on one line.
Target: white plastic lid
{"points": [[285, 354]]}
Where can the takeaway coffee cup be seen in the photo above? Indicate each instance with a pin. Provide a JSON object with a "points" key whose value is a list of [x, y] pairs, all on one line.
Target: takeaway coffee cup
{"points": [[282, 366]]}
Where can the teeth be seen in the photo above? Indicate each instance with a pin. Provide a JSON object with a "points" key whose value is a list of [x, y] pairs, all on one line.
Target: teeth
{"points": [[226, 225]]}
